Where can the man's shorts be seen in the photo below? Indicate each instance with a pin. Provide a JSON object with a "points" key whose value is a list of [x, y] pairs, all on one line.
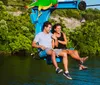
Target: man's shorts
{"points": [[47, 49], [43, 53]]}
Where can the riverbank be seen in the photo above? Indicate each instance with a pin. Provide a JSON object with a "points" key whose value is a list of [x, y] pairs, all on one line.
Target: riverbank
{"points": [[5, 53], [17, 53]]}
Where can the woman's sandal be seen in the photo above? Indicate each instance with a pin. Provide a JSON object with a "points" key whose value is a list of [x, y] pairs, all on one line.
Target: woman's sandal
{"points": [[84, 59], [83, 67]]}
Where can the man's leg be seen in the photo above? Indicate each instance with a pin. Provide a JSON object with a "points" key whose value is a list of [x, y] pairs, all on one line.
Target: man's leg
{"points": [[53, 58]]}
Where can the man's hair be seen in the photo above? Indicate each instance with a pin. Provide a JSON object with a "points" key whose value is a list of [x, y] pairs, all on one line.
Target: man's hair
{"points": [[53, 28], [46, 24]]}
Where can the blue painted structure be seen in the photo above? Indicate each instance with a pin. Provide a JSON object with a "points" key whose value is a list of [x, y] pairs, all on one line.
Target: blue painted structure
{"points": [[38, 21]]}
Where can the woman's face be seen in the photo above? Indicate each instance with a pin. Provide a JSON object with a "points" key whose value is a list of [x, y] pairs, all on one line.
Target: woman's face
{"points": [[58, 29]]}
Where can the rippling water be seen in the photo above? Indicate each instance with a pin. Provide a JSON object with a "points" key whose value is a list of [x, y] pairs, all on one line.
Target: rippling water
{"points": [[15, 70]]}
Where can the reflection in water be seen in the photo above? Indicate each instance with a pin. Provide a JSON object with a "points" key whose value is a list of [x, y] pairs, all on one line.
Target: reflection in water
{"points": [[16, 70]]}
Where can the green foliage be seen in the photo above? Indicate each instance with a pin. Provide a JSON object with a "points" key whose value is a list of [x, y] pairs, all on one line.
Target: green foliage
{"points": [[91, 14], [3, 35], [2, 6], [3, 30], [87, 38], [16, 32], [67, 13], [20, 42]]}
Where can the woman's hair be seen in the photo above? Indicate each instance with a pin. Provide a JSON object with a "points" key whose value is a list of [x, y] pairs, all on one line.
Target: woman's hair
{"points": [[53, 28], [46, 24]]}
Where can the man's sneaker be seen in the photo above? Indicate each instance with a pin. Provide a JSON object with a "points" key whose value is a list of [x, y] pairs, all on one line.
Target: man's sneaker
{"points": [[67, 75], [58, 70]]}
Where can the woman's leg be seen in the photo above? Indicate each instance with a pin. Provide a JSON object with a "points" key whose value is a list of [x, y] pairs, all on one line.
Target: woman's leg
{"points": [[74, 54], [65, 63], [65, 60]]}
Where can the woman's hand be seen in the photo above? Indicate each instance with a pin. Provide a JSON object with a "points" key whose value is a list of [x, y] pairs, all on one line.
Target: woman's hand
{"points": [[54, 37]]}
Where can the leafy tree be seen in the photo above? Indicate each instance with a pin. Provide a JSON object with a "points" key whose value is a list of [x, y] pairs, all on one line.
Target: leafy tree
{"points": [[16, 32], [3, 35], [87, 38]]}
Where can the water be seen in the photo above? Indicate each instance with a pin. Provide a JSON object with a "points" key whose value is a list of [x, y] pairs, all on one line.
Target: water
{"points": [[15, 70]]}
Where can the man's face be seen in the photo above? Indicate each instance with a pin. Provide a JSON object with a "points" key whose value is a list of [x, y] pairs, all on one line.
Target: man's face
{"points": [[47, 29]]}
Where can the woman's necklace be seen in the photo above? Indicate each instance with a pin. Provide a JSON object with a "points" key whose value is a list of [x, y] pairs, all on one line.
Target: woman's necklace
{"points": [[58, 34]]}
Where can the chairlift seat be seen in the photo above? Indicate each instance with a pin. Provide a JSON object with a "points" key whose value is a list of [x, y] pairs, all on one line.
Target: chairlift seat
{"points": [[43, 55]]}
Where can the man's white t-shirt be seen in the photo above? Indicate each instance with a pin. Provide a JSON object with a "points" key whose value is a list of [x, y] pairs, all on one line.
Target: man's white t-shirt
{"points": [[44, 39]]}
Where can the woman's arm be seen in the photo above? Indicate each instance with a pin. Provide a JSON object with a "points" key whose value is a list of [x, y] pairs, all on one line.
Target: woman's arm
{"points": [[53, 44], [65, 40], [55, 41]]}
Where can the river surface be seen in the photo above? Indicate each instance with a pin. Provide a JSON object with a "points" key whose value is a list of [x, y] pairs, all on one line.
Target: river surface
{"points": [[20, 70]]}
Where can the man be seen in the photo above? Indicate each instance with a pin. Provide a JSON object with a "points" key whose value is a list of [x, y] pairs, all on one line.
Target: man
{"points": [[44, 40]]}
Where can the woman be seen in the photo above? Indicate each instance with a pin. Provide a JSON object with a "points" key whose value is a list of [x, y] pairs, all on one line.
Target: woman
{"points": [[60, 42]]}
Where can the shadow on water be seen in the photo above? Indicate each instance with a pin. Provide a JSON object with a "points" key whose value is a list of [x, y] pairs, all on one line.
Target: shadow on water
{"points": [[15, 70]]}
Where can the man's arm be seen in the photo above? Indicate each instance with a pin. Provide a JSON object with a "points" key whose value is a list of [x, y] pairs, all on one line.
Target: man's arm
{"points": [[35, 45]]}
